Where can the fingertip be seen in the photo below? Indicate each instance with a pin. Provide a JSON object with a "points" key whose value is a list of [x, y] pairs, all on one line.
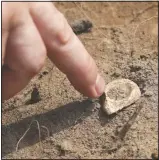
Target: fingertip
{"points": [[100, 85], [94, 90]]}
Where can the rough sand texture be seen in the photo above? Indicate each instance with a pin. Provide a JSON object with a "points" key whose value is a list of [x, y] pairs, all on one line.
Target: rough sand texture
{"points": [[77, 127]]}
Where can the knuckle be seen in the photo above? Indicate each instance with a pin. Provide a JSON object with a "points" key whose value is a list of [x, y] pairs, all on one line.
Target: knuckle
{"points": [[63, 33], [38, 63]]}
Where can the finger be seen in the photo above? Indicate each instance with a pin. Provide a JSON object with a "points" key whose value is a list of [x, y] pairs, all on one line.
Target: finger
{"points": [[12, 82], [4, 41], [66, 51], [25, 54], [6, 16]]}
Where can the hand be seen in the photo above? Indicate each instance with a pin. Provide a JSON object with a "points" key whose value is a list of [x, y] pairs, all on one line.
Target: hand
{"points": [[30, 32]]}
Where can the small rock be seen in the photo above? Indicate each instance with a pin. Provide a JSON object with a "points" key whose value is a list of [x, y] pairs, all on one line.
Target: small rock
{"points": [[45, 72], [81, 26], [119, 94], [143, 57], [66, 146], [35, 95], [116, 74], [148, 93], [134, 68], [97, 106], [46, 107]]}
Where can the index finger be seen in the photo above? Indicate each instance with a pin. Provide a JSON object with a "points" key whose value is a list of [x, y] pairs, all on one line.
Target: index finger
{"points": [[66, 51]]}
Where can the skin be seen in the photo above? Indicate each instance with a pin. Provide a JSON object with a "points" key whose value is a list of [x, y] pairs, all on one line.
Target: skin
{"points": [[30, 32]]}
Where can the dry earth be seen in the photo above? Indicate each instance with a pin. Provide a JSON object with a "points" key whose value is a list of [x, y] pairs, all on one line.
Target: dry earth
{"points": [[124, 44]]}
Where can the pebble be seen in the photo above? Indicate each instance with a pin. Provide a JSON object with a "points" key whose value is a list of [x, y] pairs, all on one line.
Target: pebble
{"points": [[148, 93], [46, 107], [66, 146], [120, 93]]}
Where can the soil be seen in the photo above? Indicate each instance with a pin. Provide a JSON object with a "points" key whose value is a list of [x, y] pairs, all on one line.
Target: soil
{"points": [[123, 41]]}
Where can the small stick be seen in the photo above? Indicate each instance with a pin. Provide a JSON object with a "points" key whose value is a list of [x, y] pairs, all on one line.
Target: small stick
{"points": [[81, 9], [39, 133], [142, 23], [27, 132], [133, 39], [48, 133], [22, 138]]}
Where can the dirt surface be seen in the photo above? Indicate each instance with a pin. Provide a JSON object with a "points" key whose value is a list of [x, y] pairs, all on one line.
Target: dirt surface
{"points": [[123, 42]]}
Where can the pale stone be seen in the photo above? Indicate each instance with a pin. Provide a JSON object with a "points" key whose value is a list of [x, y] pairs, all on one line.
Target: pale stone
{"points": [[66, 146], [120, 93]]}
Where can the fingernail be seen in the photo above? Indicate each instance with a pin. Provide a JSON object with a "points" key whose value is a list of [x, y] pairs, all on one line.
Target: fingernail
{"points": [[100, 85]]}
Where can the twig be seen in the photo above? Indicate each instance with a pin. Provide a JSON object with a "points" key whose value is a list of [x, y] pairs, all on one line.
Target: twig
{"points": [[22, 138], [27, 132], [39, 133], [48, 133], [142, 12], [142, 23], [91, 20], [137, 26]]}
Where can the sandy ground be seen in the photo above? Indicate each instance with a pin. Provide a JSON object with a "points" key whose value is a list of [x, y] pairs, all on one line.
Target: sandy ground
{"points": [[123, 42]]}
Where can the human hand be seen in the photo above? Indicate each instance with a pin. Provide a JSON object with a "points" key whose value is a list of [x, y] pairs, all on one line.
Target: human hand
{"points": [[30, 32]]}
